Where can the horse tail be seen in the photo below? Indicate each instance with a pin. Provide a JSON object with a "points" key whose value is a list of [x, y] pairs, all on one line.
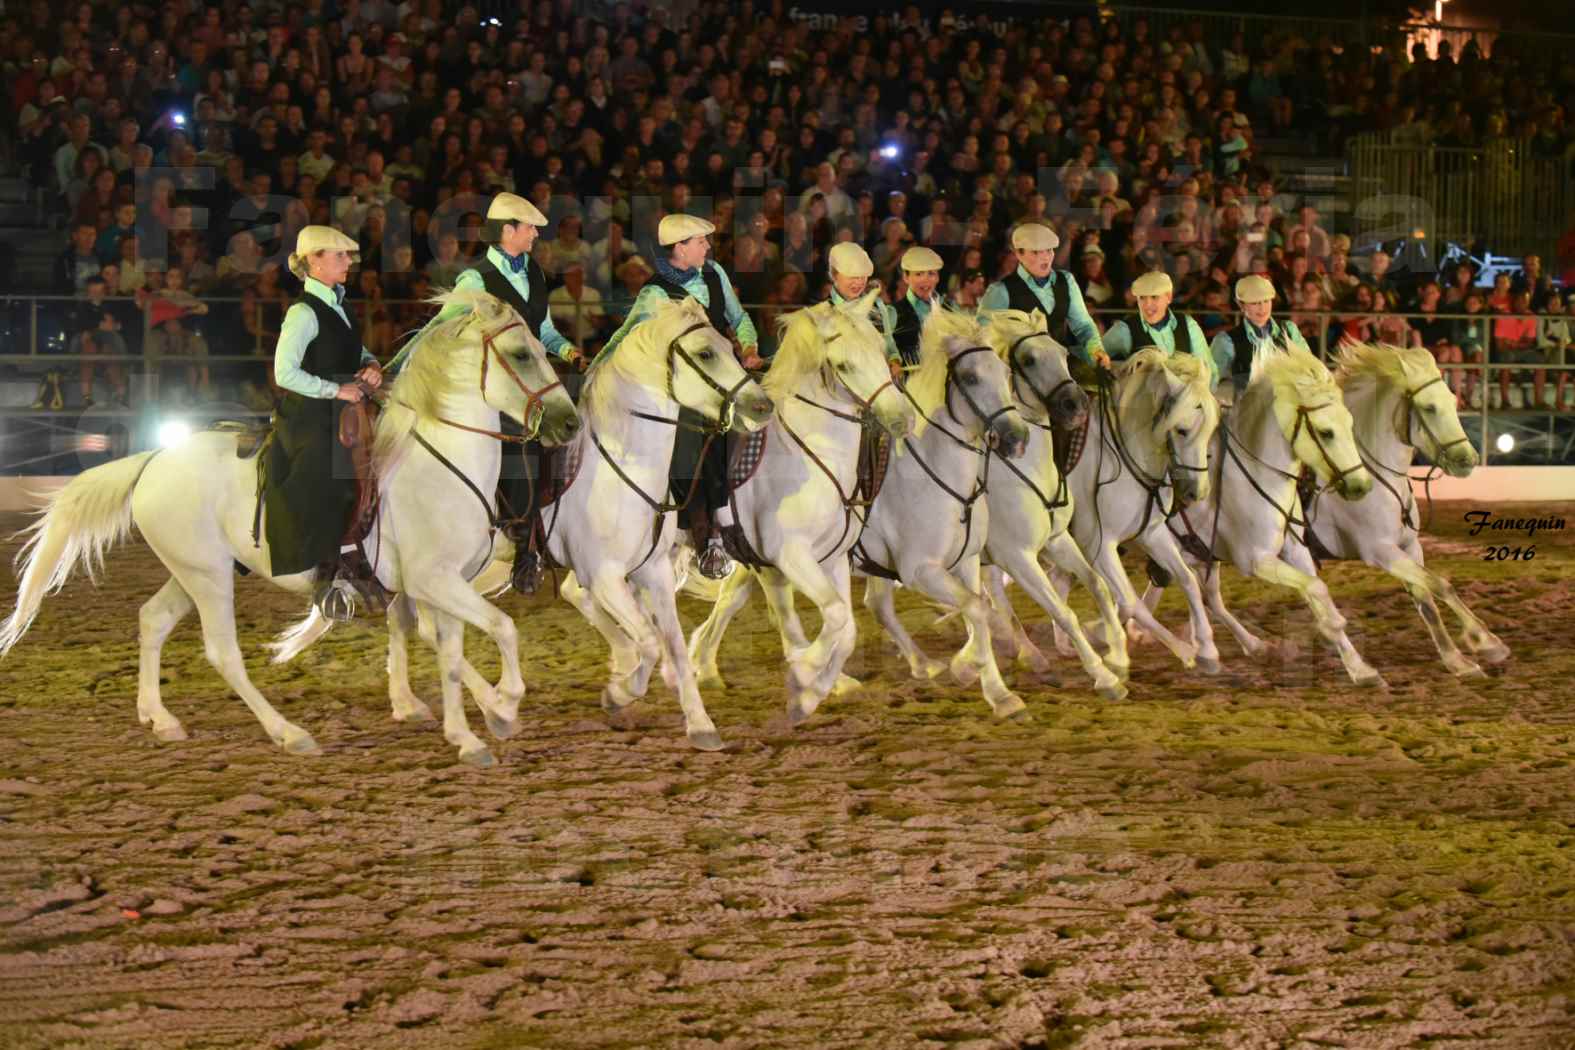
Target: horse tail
{"points": [[296, 639], [75, 527]]}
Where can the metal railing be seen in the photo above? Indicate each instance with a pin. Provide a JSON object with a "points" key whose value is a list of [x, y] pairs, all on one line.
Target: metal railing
{"points": [[1456, 194], [47, 359]]}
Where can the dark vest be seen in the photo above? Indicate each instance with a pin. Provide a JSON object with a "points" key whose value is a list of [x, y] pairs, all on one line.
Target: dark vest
{"points": [[908, 329], [532, 311], [1183, 332], [1021, 297], [716, 310], [1241, 364], [335, 353]]}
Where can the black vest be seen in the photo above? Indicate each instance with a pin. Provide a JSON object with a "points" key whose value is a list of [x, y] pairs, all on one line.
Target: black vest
{"points": [[1241, 364], [716, 310], [908, 329], [1183, 332], [1021, 297], [532, 311], [335, 353]]}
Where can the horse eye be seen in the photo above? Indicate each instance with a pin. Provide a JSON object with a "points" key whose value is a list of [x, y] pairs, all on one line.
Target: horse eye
{"points": [[970, 379], [706, 355], [1430, 408], [1181, 431], [1028, 360], [1326, 434]]}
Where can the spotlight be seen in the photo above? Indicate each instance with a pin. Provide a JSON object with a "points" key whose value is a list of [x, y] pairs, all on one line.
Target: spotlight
{"points": [[889, 152], [1505, 443], [172, 432]]}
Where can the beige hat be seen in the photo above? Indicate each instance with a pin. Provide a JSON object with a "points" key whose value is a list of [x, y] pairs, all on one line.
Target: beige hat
{"points": [[1035, 237], [850, 260], [634, 261], [1254, 289], [313, 239], [919, 259], [510, 207], [675, 228], [1155, 282]]}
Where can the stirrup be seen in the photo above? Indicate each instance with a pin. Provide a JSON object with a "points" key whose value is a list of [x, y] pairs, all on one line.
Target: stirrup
{"points": [[713, 562], [336, 599]]}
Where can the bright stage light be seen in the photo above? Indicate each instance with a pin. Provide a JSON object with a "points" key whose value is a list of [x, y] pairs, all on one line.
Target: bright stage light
{"points": [[172, 432], [1505, 443]]}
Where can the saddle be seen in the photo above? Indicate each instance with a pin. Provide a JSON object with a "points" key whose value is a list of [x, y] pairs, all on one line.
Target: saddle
{"points": [[1069, 443]]}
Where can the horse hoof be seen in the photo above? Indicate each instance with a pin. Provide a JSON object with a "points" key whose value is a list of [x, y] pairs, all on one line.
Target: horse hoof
{"points": [[1111, 692], [1372, 681], [614, 699], [706, 740], [1494, 654], [302, 745], [480, 757], [1208, 665], [170, 734], [1470, 670], [501, 728], [711, 683], [798, 712], [415, 711], [1010, 707], [1022, 718], [846, 683], [1121, 671]]}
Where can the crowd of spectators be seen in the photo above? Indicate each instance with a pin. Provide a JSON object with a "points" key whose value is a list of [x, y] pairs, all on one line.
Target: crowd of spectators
{"points": [[184, 146]]}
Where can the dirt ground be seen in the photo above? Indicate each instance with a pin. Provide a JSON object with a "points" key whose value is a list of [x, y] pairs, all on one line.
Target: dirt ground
{"points": [[1264, 859]]}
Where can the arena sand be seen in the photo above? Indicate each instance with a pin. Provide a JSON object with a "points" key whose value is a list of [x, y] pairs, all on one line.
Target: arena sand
{"points": [[1265, 859]]}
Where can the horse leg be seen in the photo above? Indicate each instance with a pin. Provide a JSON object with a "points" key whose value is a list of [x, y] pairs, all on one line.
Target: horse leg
{"points": [[878, 599], [448, 634], [158, 618], [1162, 547], [961, 592], [1304, 581], [1419, 585], [213, 593], [1061, 583], [453, 594], [783, 612], [1067, 556], [401, 622], [624, 660], [813, 669], [1474, 633], [706, 641], [1006, 624], [656, 580], [1026, 570], [1108, 564]]}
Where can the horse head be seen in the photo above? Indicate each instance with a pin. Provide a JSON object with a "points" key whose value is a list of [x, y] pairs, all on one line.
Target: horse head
{"points": [[961, 373], [849, 352], [1313, 418], [1410, 397], [704, 375], [1041, 377], [516, 378], [1185, 419]]}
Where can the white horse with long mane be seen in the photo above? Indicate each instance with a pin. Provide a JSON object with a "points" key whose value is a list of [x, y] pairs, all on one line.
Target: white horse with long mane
{"points": [[1291, 415], [1399, 402], [800, 509], [195, 505]]}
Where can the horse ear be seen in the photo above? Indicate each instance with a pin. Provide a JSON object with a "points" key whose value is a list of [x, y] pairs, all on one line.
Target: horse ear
{"points": [[865, 302], [1040, 322]]}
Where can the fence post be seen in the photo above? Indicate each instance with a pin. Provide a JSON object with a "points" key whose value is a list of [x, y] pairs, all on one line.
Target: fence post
{"points": [[32, 327]]}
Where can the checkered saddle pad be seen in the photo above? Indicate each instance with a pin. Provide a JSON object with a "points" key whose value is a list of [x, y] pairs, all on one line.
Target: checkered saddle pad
{"points": [[748, 451], [1069, 442], [874, 458], [563, 467]]}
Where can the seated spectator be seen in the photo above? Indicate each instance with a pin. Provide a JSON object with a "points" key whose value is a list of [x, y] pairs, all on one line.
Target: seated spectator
{"points": [[1515, 342], [1554, 334], [171, 333], [632, 274], [1462, 280], [79, 263], [447, 264], [969, 289], [98, 332], [1390, 328], [1358, 326], [577, 309], [1471, 336]]}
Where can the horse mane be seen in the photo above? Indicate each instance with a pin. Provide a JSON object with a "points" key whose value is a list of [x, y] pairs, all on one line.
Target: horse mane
{"points": [[1294, 373], [1194, 373], [802, 349], [927, 383], [1401, 366], [1141, 366], [641, 358], [430, 371], [1006, 327]]}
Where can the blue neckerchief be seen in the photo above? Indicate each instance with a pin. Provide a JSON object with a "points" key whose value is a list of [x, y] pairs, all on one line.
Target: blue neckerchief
{"points": [[516, 262], [674, 274]]}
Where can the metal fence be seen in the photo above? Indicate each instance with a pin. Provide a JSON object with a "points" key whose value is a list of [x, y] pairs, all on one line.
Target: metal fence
{"points": [[46, 427], [1499, 189]]}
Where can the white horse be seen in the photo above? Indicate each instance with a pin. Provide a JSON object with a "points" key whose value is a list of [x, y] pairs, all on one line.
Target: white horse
{"points": [[195, 504], [930, 520], [1148, 444], [800, 510], [1399, 402], [1290, 415]]}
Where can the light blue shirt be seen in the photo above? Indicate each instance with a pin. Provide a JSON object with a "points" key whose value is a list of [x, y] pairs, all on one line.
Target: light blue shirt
{"points": [[1120, 343], [888, 319], [1082, 326], [554, 341], [297, 333], [651, 296], [1224, 349]]}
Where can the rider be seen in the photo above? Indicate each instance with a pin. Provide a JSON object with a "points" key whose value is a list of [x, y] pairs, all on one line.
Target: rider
{"points": [[921, 268], [685, 272], [309, 498], [851, 268], [509, 273], [1235, 349], [1155, 324], [1037, 285]]}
